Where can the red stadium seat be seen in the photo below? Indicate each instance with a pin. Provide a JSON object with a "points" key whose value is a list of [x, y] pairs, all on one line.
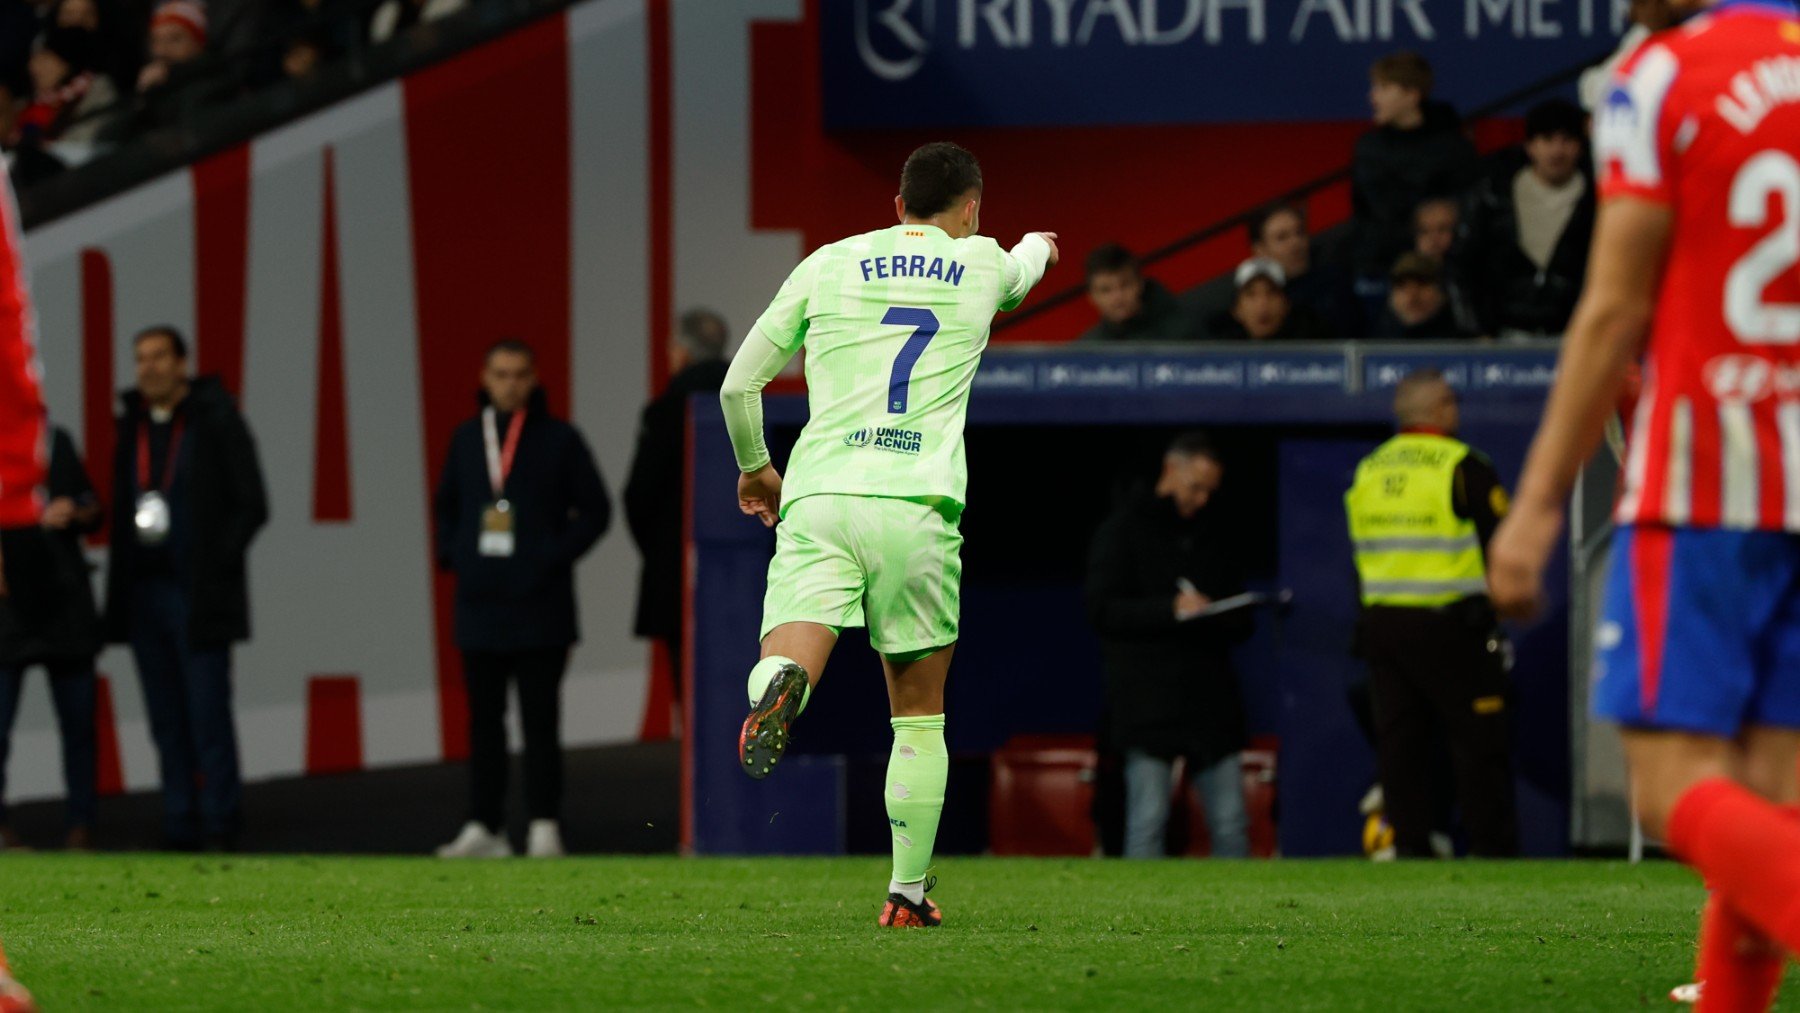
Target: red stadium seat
{"points": [[1041, 796]]}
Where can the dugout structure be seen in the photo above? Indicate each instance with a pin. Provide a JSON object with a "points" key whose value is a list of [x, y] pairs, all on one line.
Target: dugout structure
{"points": [[1052, 434]]}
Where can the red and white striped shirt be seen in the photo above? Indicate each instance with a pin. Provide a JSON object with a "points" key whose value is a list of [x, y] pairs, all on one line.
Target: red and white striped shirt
{"points": [[23, 443], [1705, 118]]}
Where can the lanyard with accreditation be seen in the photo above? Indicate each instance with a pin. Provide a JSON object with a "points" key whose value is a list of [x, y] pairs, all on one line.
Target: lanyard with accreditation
{"points": [[497, 517], [152, 515]]}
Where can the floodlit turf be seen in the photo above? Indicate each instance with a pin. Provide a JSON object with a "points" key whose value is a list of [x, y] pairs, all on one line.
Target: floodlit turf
{"points": [[161, 932]]}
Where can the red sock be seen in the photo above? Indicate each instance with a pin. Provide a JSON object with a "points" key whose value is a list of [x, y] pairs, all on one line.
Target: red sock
{"points": [[1747, 849], [1739, 968]]}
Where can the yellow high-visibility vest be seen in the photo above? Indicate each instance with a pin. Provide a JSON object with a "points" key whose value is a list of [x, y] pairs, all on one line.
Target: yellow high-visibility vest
{"points": [[1410, 547]]}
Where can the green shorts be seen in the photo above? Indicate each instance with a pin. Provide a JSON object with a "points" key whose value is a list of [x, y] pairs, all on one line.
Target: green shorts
{"points": [[894, 565]]}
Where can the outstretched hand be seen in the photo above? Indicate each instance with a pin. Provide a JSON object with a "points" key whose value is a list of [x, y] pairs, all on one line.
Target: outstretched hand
{"points": [[1055, 254], [1516, 559], [759, 494]]}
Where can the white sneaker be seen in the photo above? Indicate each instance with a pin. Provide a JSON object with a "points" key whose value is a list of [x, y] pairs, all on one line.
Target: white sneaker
{"points": [[476, 841], [1372, 801], [543, 839]]}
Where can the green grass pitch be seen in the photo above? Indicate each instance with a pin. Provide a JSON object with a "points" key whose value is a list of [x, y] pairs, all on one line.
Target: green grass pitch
{"points": [[177, 932]]}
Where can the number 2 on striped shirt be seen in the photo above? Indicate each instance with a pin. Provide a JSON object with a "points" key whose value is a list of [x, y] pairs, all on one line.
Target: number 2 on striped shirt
{"points": [[925, 327]]}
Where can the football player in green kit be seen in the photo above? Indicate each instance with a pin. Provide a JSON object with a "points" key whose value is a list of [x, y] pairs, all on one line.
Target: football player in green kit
{"points": [[894, 323]]}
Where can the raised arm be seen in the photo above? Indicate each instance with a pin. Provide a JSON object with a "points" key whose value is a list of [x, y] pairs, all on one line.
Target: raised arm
{"points": [[1025, 265]]}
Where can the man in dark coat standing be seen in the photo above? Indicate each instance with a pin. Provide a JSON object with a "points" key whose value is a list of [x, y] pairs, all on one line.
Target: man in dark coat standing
{"points": [[188, 498], [1156, 566], [52, 622], [519, 502], [657, 489]]}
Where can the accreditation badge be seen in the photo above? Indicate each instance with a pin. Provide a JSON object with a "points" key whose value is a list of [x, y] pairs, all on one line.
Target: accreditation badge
{"points": [[152, 518], [496, 529]]}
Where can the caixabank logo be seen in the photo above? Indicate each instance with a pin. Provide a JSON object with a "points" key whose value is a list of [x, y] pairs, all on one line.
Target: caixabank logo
{"points": [[896, 441]]}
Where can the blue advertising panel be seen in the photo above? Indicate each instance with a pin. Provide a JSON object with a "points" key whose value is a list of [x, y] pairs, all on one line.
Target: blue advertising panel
{"points": [[952, 63]]}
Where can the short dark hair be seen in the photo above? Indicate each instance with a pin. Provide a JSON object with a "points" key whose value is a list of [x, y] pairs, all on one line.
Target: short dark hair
{"points": [[935, 175], [703, 333], [176, 340], [1261, 217], [1556, 116], [1413, 266], [511, 346], [1404, 68], [1108, 258], [1194, 443]]}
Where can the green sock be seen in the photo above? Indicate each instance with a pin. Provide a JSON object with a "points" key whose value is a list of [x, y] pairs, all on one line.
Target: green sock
{"points": [[917, 770]]}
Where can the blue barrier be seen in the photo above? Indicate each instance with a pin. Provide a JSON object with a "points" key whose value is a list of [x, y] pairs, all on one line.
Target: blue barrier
{"points": [[1027, 662]]}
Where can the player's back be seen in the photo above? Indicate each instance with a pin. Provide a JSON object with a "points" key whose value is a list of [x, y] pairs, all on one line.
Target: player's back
{"points": [[1705, 119], [894, 324]]}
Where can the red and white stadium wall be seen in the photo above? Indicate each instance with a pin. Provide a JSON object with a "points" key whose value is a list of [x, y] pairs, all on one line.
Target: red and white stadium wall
{"points": [[573, 184]]}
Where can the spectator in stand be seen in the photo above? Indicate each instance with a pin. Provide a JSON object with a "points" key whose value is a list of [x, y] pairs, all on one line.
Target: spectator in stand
{"points": [[1279, 233], [657, 488], [1434, 227], [1416, 150], [1155, 566], [52, 622], [177, 42], [1132, 307], [1417, 304], [1260, 309], [1435, 223], [119, 46], [188, 499], [69, 92], [29, 163], [520, 501], [1525, 241], [181, 76], [396, 16]]}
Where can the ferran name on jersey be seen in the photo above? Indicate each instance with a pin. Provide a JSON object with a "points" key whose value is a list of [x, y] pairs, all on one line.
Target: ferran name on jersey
{"points": [[912, 266]]}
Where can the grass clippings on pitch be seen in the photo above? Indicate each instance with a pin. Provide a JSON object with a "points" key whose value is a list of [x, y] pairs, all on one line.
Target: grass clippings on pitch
{"points": [[159, 932]]}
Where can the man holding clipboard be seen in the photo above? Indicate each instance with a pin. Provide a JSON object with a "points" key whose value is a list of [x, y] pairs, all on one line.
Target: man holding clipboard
{"points": [[1165, 591]]}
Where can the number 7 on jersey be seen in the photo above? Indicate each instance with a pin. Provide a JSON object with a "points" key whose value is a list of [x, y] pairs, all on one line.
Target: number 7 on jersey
{"points": [[925, 327]]}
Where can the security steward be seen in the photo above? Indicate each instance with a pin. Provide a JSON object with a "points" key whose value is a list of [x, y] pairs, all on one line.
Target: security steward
{"points": [[1421, 511]]}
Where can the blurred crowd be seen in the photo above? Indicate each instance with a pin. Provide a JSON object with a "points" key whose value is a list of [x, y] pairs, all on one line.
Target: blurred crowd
{"points": [[80, 77], [1442, 243]]}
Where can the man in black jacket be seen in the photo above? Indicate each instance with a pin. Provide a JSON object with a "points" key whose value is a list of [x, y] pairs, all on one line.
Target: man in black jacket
{"points": [[1131, 306], [52, 622], [519, 502], [188, 498], [657, 488], [1417, 150], [1418, 304], [1524, 244], [1155, 566]]}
